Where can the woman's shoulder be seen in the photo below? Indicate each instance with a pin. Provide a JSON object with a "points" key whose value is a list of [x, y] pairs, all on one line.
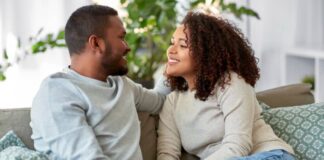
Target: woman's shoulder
{"points": [[235, 83], [173, 95], [179, 95]]}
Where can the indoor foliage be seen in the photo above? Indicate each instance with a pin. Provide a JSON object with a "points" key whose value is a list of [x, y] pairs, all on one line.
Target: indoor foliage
{"points": [[149, 26]]}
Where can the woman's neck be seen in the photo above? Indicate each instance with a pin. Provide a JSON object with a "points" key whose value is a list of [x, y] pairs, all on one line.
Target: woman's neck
{"points": [[190, 81]]}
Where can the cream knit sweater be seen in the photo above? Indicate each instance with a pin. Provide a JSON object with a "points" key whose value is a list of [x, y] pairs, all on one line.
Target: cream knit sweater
{"points": [[226, 125]]}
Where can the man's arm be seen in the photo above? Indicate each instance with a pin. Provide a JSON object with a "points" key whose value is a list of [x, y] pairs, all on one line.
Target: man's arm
{"points": [[58, 117], [149, 100], [161, 86]]}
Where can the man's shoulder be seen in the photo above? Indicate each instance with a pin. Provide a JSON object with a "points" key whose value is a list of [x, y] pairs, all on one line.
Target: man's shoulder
{"points": [[57, 80], [121, 78], [124, 80]]}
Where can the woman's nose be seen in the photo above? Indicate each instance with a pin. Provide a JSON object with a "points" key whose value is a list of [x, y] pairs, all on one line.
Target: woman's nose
{"points": [[171, 50]]}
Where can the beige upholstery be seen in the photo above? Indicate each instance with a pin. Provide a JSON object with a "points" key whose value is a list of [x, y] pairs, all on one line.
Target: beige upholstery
{"points": [[18, 119], [290, 95]]}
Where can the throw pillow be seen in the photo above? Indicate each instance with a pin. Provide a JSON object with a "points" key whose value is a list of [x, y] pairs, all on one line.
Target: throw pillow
{"points": [[300, 126], [12, 148], [21, 153], [10, 139]]}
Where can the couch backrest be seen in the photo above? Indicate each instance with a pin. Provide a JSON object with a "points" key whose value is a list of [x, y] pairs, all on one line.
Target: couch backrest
{"points": [[289, 95], [18, 121]]}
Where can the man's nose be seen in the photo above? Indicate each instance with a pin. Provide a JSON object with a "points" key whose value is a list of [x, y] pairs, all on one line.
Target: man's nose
{"points": [[127, 47]]}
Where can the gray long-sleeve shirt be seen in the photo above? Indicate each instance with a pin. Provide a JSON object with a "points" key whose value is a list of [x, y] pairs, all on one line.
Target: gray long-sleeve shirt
{"points": [[226, 125], [76, 117]]}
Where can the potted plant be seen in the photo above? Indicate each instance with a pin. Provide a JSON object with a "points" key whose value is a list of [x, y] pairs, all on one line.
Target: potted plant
{"points": [[150, 25]]}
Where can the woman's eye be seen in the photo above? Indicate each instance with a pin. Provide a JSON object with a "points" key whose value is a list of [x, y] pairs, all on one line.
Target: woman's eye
{"points": [[183, 46]]}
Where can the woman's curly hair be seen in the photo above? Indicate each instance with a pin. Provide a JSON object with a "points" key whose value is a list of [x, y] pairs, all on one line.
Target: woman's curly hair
{"points": [[218, 48]]}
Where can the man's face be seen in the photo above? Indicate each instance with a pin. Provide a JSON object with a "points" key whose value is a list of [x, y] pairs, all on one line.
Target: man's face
{"points": [[116, 48]]}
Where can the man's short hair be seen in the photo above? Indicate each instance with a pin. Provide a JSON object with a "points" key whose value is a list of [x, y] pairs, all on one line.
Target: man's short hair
{"points": [[86, 21]]}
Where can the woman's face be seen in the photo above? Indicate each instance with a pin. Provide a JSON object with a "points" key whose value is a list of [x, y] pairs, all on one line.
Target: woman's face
{"points": [[180, 62]]}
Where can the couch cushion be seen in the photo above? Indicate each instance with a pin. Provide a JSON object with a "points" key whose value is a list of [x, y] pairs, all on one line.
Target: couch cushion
{"points": [[300, 126], [290, 95], [10, 139], [18, 121], [21, 153], [12, 148], [148, 139]]}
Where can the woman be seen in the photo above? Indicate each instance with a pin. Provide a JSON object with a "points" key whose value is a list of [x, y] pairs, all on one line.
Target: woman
{"points": [[213, 112]]}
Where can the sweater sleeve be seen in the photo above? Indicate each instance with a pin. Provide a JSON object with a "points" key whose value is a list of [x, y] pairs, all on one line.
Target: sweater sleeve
{"points": [[161, 86], [237, 102], [58, 116], [169, 144], [147, 100]]}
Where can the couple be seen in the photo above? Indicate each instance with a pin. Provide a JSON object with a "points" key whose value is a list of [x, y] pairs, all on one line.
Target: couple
{"points": [[89, 111]]}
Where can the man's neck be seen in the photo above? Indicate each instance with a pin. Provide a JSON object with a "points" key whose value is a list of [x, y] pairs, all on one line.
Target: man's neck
{"points": [[88, 69]]}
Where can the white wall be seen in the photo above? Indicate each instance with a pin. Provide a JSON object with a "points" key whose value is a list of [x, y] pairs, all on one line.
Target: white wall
{"points": [[283, 24], [22, 19], [271, 35]]}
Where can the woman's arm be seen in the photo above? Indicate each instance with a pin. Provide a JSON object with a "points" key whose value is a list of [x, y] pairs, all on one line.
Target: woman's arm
{"points": [[169, 144], [238, 106]]}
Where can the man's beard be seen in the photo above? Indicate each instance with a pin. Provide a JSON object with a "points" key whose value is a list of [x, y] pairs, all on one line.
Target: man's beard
{"points": [[120, 71], [111, 65]]}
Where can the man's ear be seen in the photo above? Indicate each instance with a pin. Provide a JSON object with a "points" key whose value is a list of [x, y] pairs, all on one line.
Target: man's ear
{"points": [[96, 43]]}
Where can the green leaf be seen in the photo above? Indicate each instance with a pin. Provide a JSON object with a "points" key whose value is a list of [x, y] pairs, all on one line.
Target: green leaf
{"points": [[19, 43], [38, 47], [5, 54], [122, 1], [195, 3], [2, 76], [249, 12], [49, 37], [60, 45], [61, 35]]}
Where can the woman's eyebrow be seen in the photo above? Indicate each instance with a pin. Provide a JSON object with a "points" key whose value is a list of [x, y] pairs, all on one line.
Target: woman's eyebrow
{"points": [[183, 39]]}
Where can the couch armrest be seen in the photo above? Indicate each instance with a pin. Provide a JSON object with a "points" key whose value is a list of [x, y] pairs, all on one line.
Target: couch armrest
{"points": [[289, 95]]}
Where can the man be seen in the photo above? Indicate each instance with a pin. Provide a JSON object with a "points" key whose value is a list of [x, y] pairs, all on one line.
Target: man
{"points": [[89, 111]]}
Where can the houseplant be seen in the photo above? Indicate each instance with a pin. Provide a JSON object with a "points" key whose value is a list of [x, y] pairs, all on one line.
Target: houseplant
{"points": [[149, 26], [37, 44]]}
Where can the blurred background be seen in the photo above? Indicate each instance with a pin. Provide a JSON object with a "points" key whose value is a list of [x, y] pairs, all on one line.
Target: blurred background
{"points": [[287, 37]]}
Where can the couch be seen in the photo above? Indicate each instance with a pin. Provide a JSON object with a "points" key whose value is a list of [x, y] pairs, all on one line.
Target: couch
{"points": [[290, 95]]}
